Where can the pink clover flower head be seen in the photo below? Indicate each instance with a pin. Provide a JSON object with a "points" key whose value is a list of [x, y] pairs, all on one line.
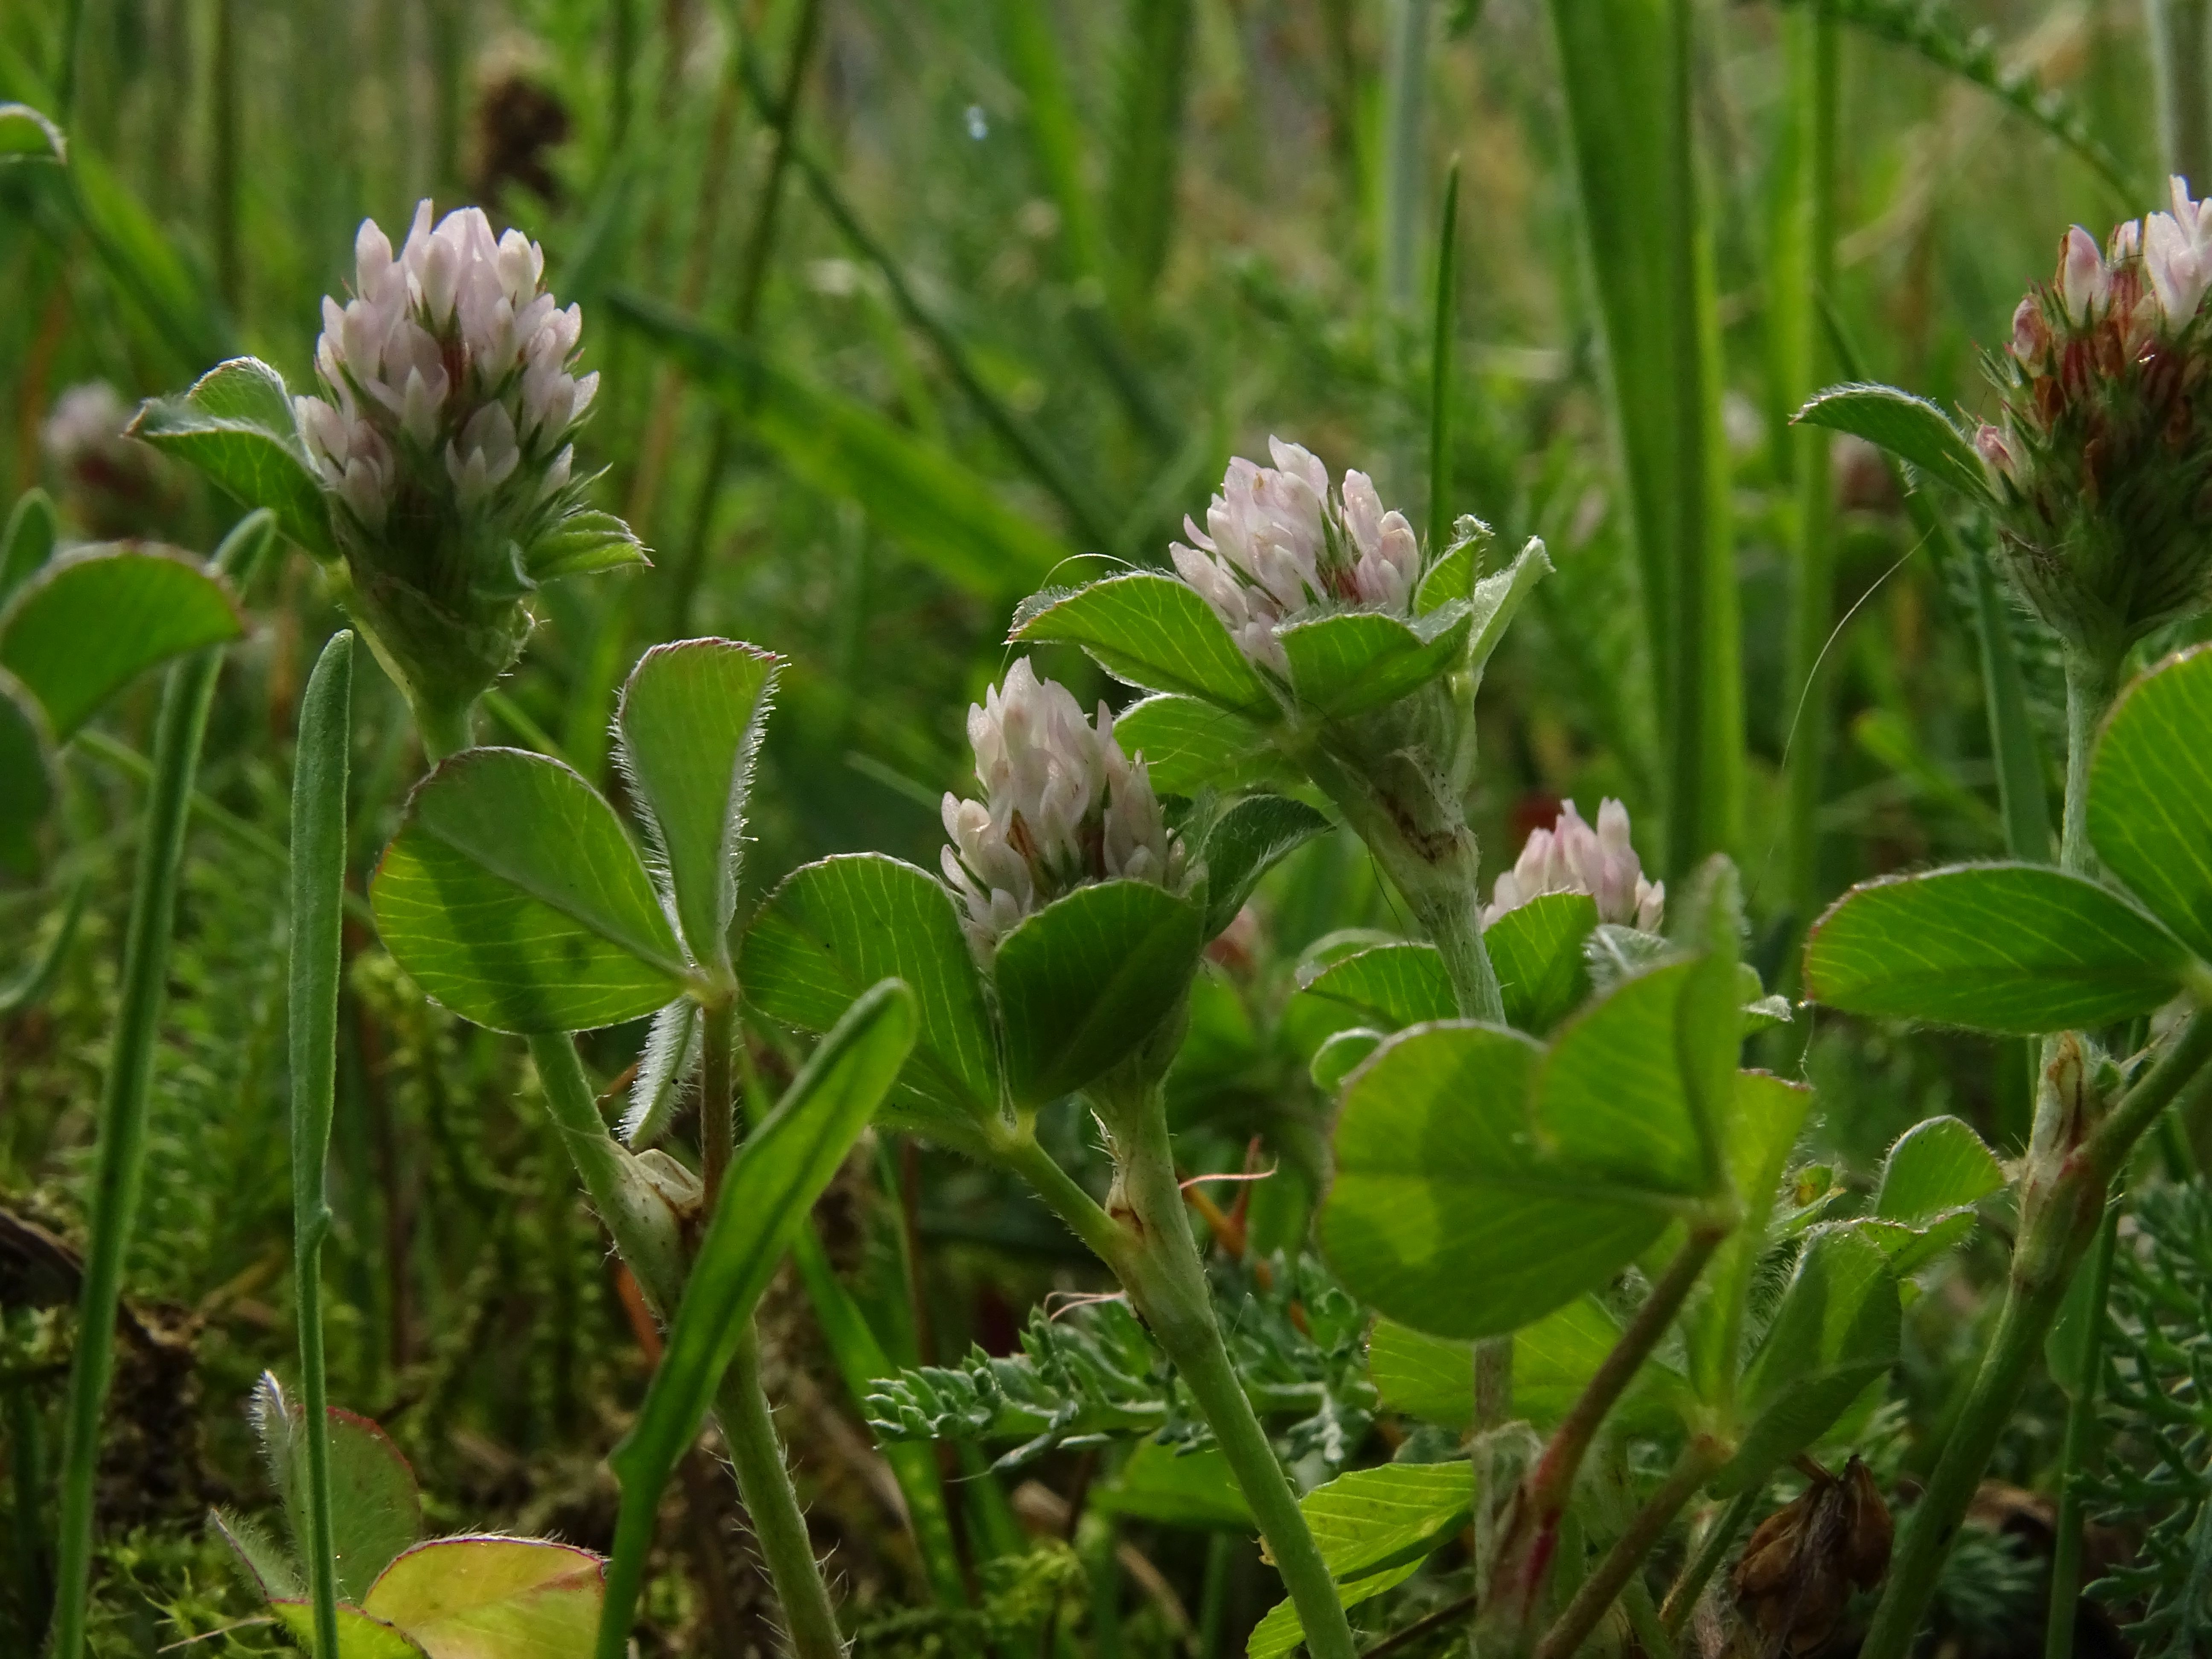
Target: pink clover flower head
{"points": [[1570, 857], [1061, 807], [1277, 544]]}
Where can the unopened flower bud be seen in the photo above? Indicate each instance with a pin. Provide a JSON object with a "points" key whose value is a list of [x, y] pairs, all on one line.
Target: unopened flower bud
{"points": [[1062, 807], [1572, 858]]}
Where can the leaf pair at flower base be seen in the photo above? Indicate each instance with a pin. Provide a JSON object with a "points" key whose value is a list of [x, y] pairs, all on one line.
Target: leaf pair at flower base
{"points": [[2026, 949], [1072, 989], [1156, 633], [514, 897], [400, 1598], [74, 629]]}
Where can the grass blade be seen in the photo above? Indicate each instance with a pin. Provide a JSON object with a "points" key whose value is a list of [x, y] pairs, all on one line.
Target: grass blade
{"points": [[186, 695], [784, 1166], [1055, 135], [1441, 343], [318, 869], [1140, 188]]}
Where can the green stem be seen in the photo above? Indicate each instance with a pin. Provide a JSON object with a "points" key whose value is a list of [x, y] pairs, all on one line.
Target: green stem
{"points": [[1712, 1548], [1531, 1543], [1147, 1242], [717, 1099], [1452, 921], [1699, 1461], [186, 695], [444, 732], [2073, 1458], [319, 860], [2093, 679], [26, 1463], [2059, 1223], [778, 1524]]}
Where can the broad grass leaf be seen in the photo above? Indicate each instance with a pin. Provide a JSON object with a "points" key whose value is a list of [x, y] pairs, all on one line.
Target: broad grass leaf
{"points": [[27, 777], [836, 927], [2150, 794], [1088, 978], [236, 426], [786, 1163], [1935, 1167], [1537, 951], [1394, 986], [1446, 1213], [1910, 428], [25, 135], [28, 542], [1155, 633], [1374, 1528], [512, 896], [96, 618], [492, 1598], [690, 719], [2013, 949], [942, 511], [1835, 1332], [1190, 745], [1176, 1488], [1358, 661], [1244, 844]]}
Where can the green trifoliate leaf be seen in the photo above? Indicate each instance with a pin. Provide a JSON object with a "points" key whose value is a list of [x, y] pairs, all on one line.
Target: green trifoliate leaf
{"points": [[1611, 1099], [1835, 1332], [1911, 428], [1375, 1526], [96, 618], [1935, 1167], [2150, 795], [1448, 1213], [236, 427], [1497, 599], [512, 896], [1392, 986], [485, 1598], [1244, 844], [2008, 948], [1155, 633], [361, 1635], [836, 927], [1190, 745], [690, 720], [1536, 948], [25, 135], [1088, 978], [375, 1509], [1357, 661], [28, 541]]}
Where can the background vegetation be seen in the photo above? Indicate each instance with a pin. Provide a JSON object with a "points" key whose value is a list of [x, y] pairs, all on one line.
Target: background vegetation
{"points": [[998, 287]]}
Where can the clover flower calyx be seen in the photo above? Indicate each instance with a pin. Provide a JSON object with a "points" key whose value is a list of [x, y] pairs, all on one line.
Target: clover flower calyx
{"points": [[1277, 544], [2100, 460], [1062, 807], [1570, 857]]}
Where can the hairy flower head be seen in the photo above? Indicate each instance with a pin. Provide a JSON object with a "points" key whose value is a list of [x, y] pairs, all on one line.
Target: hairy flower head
{"points": [[1062, 806], [1277, 544], [2101, 460], [1570, 857]]}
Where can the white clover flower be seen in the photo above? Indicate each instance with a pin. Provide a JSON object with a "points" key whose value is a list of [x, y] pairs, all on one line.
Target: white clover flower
{"points": [[449, 364], [86, 424], [1572, 858], [1062, 806], [1276, 544]]}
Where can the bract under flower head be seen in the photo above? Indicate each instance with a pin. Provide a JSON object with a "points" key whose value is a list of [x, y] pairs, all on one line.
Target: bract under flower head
{"points": [[1278, 545], [2101, 461], [1062, 806], [450, 398], [1572, 858]]}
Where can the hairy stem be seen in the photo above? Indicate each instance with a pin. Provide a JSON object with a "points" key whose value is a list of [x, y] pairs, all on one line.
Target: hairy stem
{"points": [[778, 1524], [1696, 1464], [718, 1105], [1531, 1537], [2080, 1425], [120, 1159], [444, 732], [2059, 1223], [2092, 681], [1712, 1549], [319, 861], [1145, 1237]]}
